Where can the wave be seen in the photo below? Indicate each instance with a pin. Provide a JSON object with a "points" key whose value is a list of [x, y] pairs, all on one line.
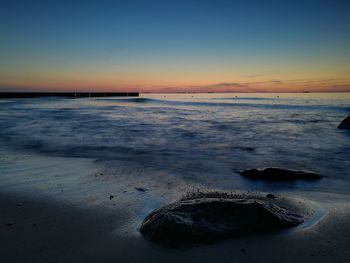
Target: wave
{"points": [[245, 98], [133, 100], [345, 108]]}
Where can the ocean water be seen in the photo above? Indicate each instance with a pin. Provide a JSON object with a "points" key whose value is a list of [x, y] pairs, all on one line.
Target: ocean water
{"points": [[200, 140]]}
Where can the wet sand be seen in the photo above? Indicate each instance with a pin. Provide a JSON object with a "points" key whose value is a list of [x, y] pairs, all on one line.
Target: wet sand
{"points": [[43, 230]]}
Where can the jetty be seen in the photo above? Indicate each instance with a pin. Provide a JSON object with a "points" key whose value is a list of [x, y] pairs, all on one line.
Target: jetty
{"points": [[6, 95]]}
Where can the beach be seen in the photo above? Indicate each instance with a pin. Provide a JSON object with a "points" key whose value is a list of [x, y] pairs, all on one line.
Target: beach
{"points": [[47, 231], [78, 176]]}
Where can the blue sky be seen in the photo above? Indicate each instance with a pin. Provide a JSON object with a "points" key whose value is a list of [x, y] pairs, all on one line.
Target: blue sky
{"points": [[154, 44]]}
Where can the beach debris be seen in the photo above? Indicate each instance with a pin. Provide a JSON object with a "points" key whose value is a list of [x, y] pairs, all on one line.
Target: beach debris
{"points": [[141, 189], [276, 174], [206, 218], [345, 124]]}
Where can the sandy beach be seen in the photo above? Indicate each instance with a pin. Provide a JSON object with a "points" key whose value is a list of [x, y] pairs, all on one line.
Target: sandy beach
{"points": [[33, 230], [59, 223]]}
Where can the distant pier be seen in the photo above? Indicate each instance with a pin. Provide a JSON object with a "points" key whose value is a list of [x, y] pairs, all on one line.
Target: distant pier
{"points": [[5, 95]]}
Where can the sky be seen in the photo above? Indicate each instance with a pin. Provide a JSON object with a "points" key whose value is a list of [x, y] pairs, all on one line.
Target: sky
{"points": [[175, 46]]}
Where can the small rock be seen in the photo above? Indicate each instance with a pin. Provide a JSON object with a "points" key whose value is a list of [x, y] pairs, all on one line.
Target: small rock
{"points": [[277, 174], [345, 124], [141, 189], [111, 197], [248, 149], [270, 196]]}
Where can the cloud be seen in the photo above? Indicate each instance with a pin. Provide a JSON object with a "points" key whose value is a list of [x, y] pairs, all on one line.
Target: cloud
{"points": [[227, 84], [275, 81], [273, 85], [255, 75], [231, 87], [216, 87]]}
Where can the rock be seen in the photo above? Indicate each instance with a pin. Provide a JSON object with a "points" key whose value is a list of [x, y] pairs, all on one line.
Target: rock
{"points": [[206, 219], [111, 197], [244, 148], [141, 189], [276, 174], [270, 196], [345, 124]]}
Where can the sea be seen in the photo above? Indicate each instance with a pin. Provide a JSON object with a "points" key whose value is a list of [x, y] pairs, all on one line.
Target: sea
{"points": [[166, 144]]}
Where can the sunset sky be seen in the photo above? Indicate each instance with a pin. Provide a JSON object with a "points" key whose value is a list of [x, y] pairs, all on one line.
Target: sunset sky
{"points": [[175, 46]]}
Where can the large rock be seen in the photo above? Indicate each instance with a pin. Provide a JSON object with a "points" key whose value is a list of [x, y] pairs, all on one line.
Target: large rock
{"points": [[209, 217], [345, 124], [276, 174]]}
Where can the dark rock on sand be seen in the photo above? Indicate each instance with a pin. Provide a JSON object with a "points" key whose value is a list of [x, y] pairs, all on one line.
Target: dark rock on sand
{"points": [[270, 196], [345, 124], [141, 189], [207, 218], [273, 173]]}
